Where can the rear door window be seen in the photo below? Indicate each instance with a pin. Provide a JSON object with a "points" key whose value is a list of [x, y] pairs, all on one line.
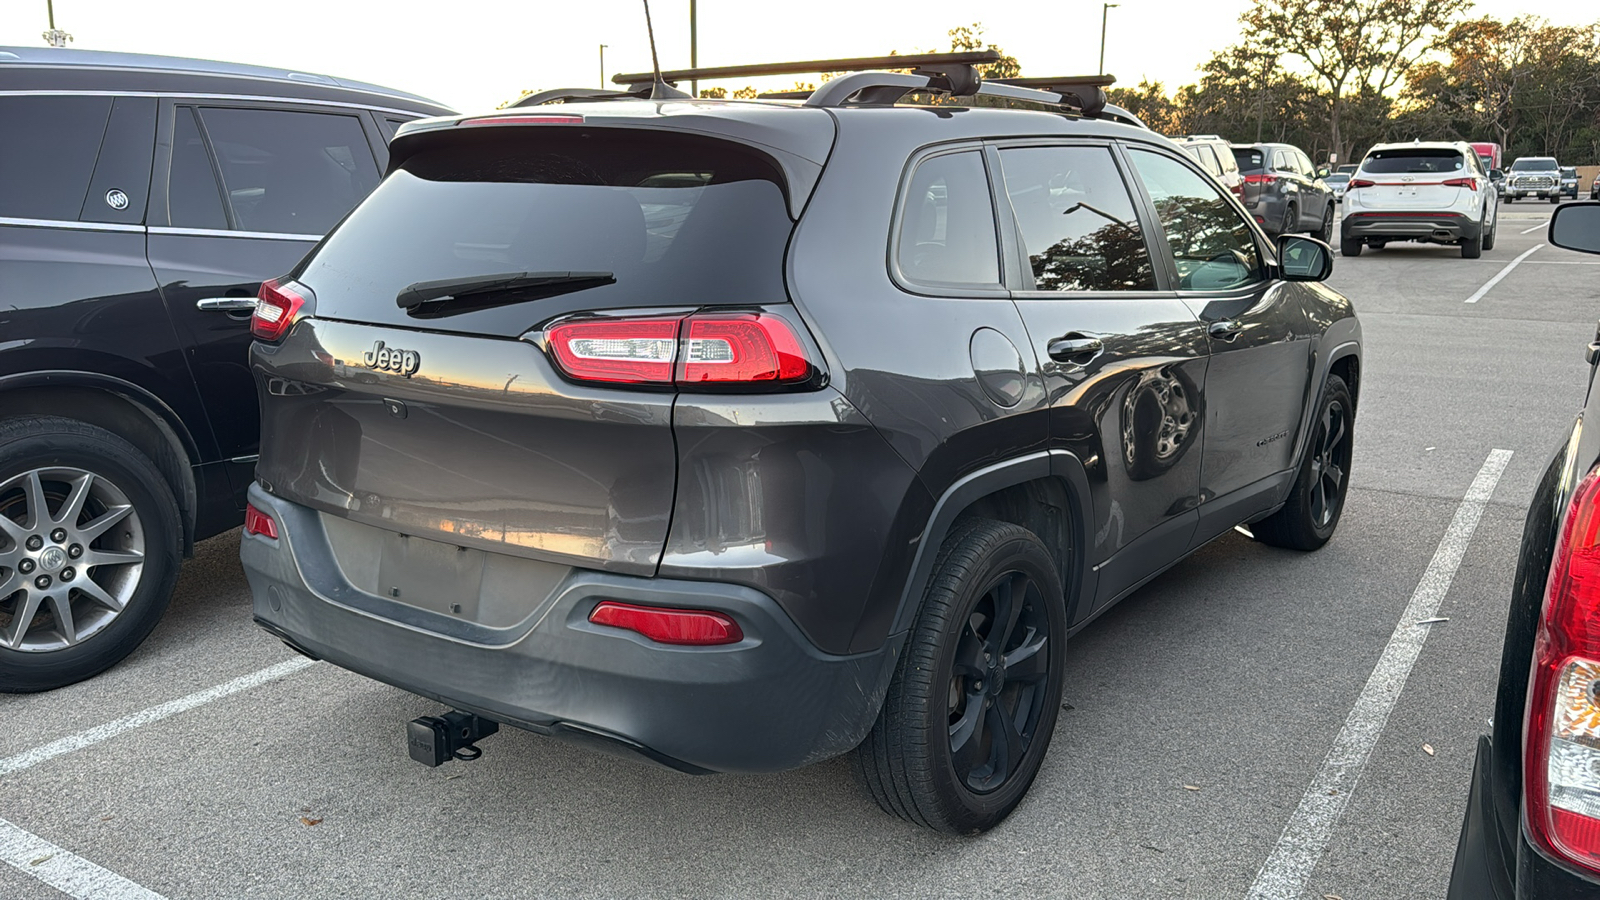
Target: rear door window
{"points": [[289, 172], [1249, 159], [947, 224], [193, 197], [1076, 219], [48, 147]]}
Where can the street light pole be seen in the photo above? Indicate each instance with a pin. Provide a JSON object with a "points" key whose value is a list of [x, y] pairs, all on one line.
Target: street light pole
{"points": [[1105, 10], [55, 37], [694, 54], [603, 66]]}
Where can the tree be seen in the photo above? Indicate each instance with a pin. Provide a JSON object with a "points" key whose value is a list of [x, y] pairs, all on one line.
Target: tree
{"points": [[1352, 47]]}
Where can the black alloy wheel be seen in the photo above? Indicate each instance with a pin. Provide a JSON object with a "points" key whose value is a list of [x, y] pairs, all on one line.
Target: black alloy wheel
{"points": [[1309, 517], [970, 711], [1291, 220], [1325, 235]]}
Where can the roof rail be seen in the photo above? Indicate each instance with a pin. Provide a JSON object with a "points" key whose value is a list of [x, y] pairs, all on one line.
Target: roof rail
{"points": [[570, 94]]}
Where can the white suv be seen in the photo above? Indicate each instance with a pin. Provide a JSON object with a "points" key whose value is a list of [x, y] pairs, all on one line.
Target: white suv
{"points": [[1432, 193]]}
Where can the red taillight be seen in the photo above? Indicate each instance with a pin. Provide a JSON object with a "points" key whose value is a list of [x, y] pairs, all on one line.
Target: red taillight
{"points": [[623, 351], [1260, 179], [278, 306], [706, 349], [741, 349], [1561, 736], [1470, 184], [1359, 183], [695, 627], [258, 522], [523, 120]]}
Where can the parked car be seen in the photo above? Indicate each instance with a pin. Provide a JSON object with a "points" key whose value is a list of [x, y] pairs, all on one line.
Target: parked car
{"points": [[1532, 824], [1215, 155], [584, 421], [1347, 169], [1569, 182], [1336, 182], [143, 200], [1489, 155], [1594, 188], [1283, 192], [1431, 193], [1534, 176]]}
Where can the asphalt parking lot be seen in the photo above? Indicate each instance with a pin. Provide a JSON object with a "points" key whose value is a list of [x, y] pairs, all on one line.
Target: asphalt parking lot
{"points": [[1203, 709]]}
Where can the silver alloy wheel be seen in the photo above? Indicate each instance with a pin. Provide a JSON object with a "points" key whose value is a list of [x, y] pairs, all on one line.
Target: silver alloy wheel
{"points": [[71, 555]]}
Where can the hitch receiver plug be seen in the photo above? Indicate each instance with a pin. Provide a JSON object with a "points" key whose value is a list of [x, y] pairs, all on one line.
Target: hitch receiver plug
{"points": [[435, 740]]}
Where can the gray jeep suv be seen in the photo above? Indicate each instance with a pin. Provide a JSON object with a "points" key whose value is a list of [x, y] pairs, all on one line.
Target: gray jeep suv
{"points": [[739, 434]]}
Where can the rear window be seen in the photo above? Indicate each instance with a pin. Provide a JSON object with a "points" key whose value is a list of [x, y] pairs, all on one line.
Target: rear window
{"points": [[1250, 159], [1412, 161], [676, 220]]}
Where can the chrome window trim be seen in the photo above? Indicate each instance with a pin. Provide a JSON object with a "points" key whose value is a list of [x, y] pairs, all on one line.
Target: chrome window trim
{"points": [[69, 224], [185, 95], [224, 232]]}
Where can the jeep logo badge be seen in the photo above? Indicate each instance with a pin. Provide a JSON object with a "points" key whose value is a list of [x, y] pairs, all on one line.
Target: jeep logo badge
{"points": [[392, 359]]}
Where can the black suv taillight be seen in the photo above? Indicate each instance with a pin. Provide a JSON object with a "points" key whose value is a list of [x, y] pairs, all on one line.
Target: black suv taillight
{"points": [[707, 349], [279, 305]]}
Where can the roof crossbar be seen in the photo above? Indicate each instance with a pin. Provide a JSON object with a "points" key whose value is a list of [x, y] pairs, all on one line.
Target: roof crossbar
{"points": [[918, 61], [1085, 92]]}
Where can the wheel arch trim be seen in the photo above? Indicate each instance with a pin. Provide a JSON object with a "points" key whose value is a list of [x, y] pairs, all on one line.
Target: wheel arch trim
{"points": [[1045, 464]]}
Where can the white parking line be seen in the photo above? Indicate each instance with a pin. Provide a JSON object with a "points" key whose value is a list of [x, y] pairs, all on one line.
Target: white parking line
{"points": [[1537, 227], [1305, 838], [109, 730], [1502, 273], [64, 870]]}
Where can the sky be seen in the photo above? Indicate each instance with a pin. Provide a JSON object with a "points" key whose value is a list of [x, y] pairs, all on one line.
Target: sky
{"points": [[477, 54]]}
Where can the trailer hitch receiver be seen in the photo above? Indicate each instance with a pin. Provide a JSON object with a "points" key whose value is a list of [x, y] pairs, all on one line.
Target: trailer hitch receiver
{"points": [[435, 740]]}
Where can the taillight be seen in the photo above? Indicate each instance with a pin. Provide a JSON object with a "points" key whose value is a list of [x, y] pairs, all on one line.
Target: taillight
{"points": [[705, 349], [1260, 179], [694, 627], [258, 522], [278, 306], [1359, 183], [1561, 737], [1470, 184]]}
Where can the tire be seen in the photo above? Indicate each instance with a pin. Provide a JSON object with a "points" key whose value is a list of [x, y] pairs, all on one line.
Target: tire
{"points": [[1472, 248], [907, 760], [1325, 235], [1311, 514], [1291, 220], [1350, 246], [1488, 236], [1511, 199], [125, 518]]}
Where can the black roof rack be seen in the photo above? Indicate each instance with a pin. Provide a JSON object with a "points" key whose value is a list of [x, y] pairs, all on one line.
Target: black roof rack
{"points": [[879, 80]]}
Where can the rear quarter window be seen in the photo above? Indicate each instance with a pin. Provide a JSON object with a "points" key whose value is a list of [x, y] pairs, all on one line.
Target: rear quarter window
{"points": [[1250, 159], [947, 224], [48, 147]]}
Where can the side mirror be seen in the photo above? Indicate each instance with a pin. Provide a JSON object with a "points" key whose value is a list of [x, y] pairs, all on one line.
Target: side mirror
{"points": [[1497, 174], [1576, 226], [1302, 258], [1323, 172]]}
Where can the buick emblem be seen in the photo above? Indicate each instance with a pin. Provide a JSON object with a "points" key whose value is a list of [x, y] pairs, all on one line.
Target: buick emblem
{"points": [[116, 199], [392, 359]]}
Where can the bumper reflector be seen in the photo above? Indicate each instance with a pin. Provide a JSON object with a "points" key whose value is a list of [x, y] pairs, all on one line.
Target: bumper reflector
{"points": [[258, 522], [695, 627]]}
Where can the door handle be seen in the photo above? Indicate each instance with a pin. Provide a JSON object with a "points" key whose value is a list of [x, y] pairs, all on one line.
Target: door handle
{"points": [[1074, 348], [227, 304], [1225, 330]]}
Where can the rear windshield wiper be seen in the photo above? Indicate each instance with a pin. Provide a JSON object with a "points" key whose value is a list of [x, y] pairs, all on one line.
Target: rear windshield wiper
{"points": [[452, 296]]}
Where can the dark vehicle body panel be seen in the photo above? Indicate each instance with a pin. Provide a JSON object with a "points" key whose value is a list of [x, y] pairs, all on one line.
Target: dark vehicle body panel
{"points": [[1496, 856], [99, 306], [1297, 184], [824, 507]]}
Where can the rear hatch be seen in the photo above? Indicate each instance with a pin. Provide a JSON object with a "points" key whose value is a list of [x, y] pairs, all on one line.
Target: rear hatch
{"points": [[444, 420], [1414, 178], [1253, 166]]}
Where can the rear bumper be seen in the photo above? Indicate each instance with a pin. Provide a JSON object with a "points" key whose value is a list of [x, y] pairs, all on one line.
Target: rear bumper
{"points": [[773, 701], [1442, 227], [1482, 871]]}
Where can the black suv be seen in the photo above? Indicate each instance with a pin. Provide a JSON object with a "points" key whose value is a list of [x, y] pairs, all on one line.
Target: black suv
{"points": [[737, 433], [1532, 825], [142, 201], [1283, 192]]}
